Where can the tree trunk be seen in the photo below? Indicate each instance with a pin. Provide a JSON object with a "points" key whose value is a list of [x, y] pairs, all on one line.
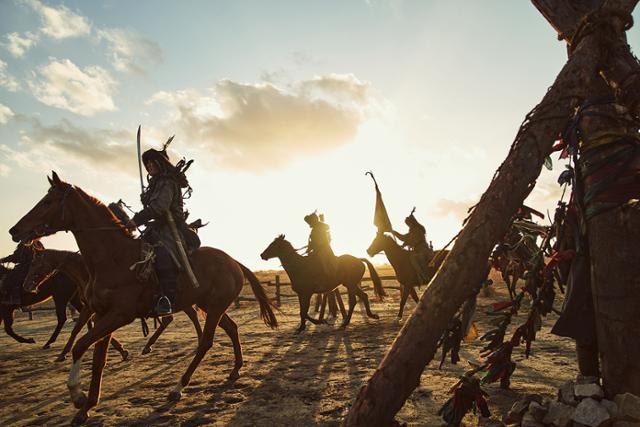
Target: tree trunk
{"points": [[613, 235], [399, 372]]}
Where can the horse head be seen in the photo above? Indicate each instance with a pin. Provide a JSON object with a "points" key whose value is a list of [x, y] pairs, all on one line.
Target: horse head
{"points": [[276, 248], [48, 215], [43, 267], [378, 244]]}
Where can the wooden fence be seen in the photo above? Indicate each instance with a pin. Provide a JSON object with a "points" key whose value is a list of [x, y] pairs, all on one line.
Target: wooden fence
{"points": [[279, 295], [277, 283]]}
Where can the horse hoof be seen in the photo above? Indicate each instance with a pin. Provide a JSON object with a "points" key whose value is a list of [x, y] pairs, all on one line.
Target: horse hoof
{"points": [[397, 321], [30, 341], [125, 355], [234, 375], [60, 358], [80, 401], [342, 327], [79, 419], [46, 346], [374, 316], [146, 350], [175, 396]]}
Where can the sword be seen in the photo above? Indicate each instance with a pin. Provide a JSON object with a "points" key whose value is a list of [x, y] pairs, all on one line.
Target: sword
{"points": [[140, 160], [181, 251]]}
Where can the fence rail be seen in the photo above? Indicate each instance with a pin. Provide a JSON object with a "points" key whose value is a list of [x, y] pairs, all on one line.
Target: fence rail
{"points": [[276, 283]]}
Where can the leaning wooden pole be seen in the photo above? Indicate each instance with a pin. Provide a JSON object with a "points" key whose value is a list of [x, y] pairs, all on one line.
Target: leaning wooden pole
{"points": [[399, 372]]}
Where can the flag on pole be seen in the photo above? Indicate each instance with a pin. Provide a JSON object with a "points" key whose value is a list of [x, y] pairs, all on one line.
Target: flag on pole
{"points": [[380, 216]]}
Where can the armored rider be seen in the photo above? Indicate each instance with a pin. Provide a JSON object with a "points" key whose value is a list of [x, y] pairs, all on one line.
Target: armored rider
{"points": [[163, 194], [416, 241], [319, 246], [21, 257]]}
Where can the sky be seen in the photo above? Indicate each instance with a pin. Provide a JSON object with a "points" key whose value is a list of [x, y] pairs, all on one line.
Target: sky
{"points": [[284, 106]]}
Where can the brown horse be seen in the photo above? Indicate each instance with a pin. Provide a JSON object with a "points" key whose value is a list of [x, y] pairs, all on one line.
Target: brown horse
{"points": [[72, 265], [400, 260], [60, 288], [510, 258], [306, 279], [118, 296]]}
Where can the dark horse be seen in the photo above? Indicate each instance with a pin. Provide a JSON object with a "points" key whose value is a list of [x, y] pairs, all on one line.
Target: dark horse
{"points": [[306, 278], [72, 265], [400, 260], [60, 288], [118, 296]]}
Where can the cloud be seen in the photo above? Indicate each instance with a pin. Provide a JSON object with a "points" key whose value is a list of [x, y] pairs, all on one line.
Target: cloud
{"points": [[60, 22], [458, 208], [5, 114], [63, 85], [4, 169], [105, 148], [129, 51], [261, 126], [7, 81], [17, 44]]}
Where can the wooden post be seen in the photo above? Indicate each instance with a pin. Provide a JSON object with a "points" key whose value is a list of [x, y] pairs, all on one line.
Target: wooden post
{"points": [[399, 372], [278, 295]]}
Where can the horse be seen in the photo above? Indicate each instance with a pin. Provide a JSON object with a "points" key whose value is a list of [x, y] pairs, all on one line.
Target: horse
{"points": [[71, 264], [118, 295], [400, 260], [60, 288], [306, 279], [510, 258]]}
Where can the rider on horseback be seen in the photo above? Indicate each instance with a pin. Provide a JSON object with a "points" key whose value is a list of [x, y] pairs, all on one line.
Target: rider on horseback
{"points": [[319, 247], [416, 241], [21, 257], [162, 196]]}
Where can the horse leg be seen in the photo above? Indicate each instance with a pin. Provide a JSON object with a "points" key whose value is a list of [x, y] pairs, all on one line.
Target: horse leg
{"points": [[103, 326], [323, 306], [230, 327], [192, 314], [414, 294], [164, 322], [365, 299], [304, 301], [213, 318], [99, 361], [352, 305], [61, 314], [117, 345], [7, 314], [404, 294], [343, 311], [319, 303], [83, 318], [333, 304]]}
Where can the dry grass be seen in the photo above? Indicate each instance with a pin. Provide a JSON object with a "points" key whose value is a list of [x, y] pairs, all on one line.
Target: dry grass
{"points": [[297, 380]]}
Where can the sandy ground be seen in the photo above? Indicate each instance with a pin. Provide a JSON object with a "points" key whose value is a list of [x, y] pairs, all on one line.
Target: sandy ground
{"points": [[287, 379]]}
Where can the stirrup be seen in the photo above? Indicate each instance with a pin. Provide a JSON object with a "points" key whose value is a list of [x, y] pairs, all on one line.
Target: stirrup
{"points": [[163, 306]]}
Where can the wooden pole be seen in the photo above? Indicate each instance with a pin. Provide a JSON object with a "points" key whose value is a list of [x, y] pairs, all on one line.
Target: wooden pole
{"points": [[278, 294], [399, 372]]}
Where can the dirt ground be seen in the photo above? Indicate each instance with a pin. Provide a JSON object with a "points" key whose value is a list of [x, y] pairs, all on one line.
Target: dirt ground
{"points": [[287, 380]]}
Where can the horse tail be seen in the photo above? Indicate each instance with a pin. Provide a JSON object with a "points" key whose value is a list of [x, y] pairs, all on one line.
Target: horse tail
{"points": [[375, 278], [266, 312]]}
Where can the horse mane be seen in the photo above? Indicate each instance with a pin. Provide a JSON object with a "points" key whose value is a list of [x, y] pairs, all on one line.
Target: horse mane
{"points": [[97, 203]]}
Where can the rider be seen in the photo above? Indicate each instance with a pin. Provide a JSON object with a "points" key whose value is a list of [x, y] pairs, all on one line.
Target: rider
{"points": [[319, 246], [22, 257], [416, 241], [163, 195]]}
